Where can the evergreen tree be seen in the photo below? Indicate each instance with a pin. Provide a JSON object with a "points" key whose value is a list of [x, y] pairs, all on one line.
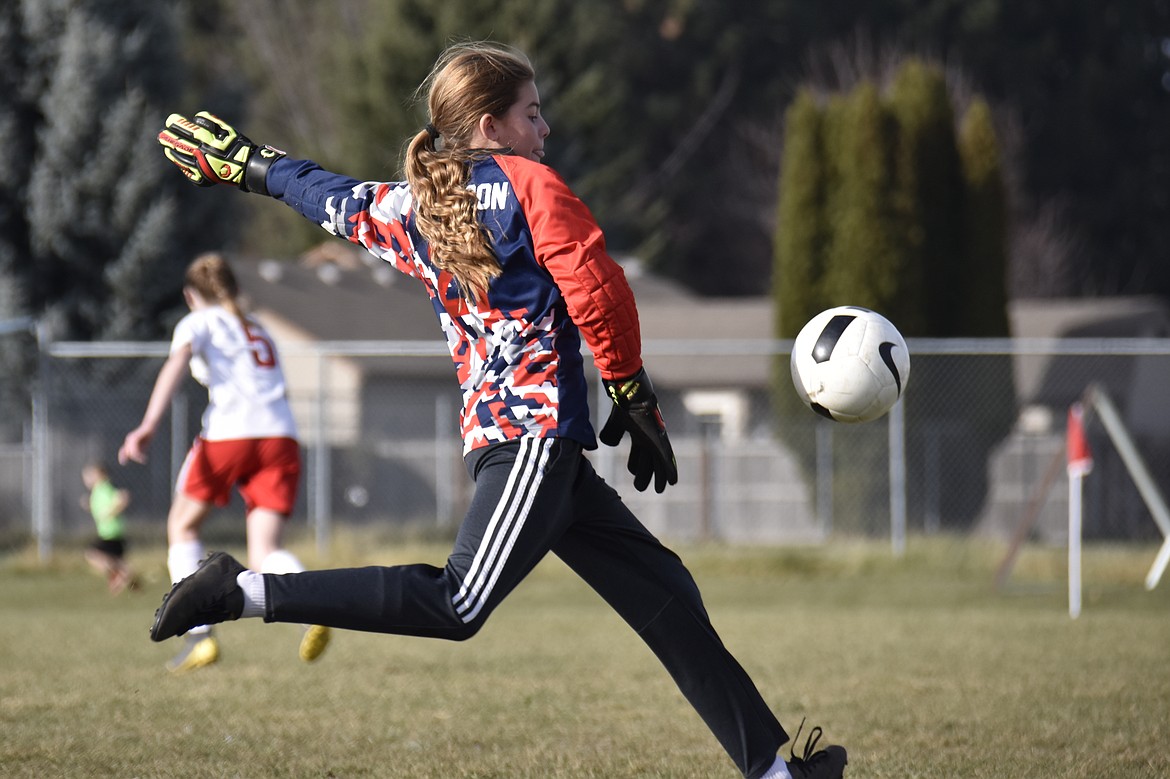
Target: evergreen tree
{"points": [[984, 305], [801, 231], [865, 257], [878, 209], [107, 228], [927, 196]]}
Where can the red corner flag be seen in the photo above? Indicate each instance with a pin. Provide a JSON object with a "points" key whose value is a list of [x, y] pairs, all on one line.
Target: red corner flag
{"points": [[1080, 458]]}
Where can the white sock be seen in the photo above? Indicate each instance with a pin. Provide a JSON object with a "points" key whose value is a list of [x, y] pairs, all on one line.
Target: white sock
{"points": [[779, 770], [281, 561], [183, 559], [255, 597]]}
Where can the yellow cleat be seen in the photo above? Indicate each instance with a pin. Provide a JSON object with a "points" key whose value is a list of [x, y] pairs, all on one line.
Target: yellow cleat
{"points": [[313, 643], [198, 651]]}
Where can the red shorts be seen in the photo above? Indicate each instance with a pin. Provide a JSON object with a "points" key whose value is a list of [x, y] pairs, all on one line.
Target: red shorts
{"points": [[267, 471]]}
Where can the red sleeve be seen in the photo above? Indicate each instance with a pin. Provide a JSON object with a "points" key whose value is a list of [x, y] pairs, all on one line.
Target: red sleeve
{"points": [[569, 244]]}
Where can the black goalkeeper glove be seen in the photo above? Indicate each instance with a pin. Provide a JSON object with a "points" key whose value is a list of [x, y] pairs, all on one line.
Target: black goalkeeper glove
{"points": [[635, 411], [209, 151]]}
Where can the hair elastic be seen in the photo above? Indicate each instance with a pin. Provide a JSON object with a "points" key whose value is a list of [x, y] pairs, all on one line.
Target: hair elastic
{"points": [[432, 131]]}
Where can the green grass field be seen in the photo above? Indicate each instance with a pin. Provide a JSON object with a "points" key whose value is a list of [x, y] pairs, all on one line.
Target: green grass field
{"points": [[917, 665]]}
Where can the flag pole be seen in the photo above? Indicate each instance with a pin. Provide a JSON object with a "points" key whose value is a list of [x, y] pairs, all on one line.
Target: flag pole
{"points": [[1080, 462]]}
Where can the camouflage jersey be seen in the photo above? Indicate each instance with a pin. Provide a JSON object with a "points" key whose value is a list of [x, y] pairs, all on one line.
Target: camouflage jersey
{"points": [[517, 353]]}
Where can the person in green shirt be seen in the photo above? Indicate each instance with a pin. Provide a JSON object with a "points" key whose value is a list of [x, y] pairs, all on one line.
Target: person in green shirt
{"points": [[107, 552]]}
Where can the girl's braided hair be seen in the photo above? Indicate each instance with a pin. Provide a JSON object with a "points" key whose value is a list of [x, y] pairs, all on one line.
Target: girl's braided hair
{"points": [[468, 81]]}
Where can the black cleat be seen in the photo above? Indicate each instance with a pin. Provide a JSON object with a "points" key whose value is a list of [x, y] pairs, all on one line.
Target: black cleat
{"points": [[827, 763], [208, 596]]}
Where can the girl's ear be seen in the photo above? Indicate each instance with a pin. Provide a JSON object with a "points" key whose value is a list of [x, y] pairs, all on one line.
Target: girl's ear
{"points": [[488, 128]]}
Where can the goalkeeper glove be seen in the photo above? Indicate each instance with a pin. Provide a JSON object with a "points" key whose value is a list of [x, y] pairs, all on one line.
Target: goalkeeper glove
{"points": [[635, 411], [209, 151]]}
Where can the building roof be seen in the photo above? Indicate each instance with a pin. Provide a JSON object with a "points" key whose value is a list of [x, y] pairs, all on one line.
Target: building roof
{"points": [[334, 301], [1139, 316]]}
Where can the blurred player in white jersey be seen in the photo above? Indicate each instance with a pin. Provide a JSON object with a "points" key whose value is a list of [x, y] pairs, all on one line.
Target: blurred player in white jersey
{"points": [[248, 440]]}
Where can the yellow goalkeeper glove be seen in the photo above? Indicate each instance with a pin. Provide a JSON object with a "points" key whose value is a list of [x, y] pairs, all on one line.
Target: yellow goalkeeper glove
{"points": [[209, 151]]}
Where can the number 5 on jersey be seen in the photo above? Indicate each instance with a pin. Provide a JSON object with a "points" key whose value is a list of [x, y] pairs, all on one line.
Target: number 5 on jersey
{"points": [[263, 352]]}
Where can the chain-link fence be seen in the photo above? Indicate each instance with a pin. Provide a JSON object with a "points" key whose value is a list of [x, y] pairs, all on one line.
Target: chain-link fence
{"points": [[976, 447]]}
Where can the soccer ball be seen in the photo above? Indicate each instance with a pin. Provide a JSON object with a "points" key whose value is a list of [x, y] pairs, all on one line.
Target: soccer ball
{"points": [[850, 364]]}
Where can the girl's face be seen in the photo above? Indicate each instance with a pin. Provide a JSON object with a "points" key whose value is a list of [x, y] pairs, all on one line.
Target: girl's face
{"points": [[522, 129]]}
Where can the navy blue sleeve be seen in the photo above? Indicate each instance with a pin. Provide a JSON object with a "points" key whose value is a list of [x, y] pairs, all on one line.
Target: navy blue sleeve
{"points": [[306, 187]]}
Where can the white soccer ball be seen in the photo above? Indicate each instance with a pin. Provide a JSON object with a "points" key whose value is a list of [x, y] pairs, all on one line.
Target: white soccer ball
{"points": [[850, 364]]}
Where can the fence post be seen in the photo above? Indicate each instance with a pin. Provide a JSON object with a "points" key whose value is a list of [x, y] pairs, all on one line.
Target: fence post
{"points": [[824, 478], [707, 479], [319, 503], [897, 438], [42, 527]]}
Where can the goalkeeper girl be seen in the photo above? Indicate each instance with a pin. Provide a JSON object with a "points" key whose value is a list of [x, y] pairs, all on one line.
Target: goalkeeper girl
{"points": [[517, 271], [248, 439]]}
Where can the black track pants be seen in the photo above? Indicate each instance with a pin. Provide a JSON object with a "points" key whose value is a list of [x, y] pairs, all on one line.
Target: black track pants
{"points": [[533, 496]]}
